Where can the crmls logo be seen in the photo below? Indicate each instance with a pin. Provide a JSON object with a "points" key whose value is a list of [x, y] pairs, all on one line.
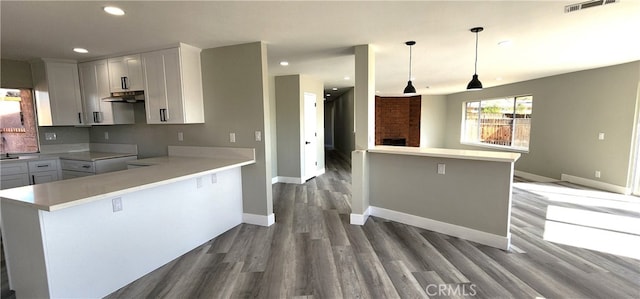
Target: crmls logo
{"points": [[451, 290]]}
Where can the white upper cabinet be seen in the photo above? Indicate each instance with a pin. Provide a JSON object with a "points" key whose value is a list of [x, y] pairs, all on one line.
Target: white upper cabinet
{"points": [[173, 86], [57, 91], [94, 83], [125, 73]]}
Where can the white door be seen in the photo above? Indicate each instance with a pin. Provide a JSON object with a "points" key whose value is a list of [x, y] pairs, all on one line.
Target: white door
{"points": [[310, 136]]}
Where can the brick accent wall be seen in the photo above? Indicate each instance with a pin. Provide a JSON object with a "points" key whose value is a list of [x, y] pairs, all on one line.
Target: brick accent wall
{"points": [[398, 117]]}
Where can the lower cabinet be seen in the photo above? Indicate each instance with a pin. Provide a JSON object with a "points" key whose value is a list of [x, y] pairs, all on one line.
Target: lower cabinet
{"points": [[18, 174], [43, 171]]}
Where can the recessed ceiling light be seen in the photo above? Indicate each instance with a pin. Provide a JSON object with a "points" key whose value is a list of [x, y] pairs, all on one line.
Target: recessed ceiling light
{"points": [[112, 10], [284, 63], [335, 88], [347, 77], [505, 43], [80, 50]]}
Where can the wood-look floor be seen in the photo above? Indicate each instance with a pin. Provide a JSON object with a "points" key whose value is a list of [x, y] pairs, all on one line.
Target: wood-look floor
{"points": [[312, 251]]}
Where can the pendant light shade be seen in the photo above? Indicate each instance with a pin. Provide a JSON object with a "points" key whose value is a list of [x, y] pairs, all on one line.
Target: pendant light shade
{"points": [[475, 83], [410, 88]]}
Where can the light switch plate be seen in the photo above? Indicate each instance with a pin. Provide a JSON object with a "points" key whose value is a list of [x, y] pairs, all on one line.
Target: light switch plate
{"points": [[600, 136], [214, 178], [198, 183], [232, 137], [441, 168], [258, 136], [106, 135], [117, 204], [180, 136]]}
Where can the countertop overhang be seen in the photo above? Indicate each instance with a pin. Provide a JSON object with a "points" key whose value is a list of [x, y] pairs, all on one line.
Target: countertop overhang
{"points": [[447, 153], [165, 170]]}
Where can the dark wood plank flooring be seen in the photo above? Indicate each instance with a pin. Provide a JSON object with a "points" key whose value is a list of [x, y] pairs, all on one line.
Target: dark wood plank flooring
{"points": [[313, 252]]}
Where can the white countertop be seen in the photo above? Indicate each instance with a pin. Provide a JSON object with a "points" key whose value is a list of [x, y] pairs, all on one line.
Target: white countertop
{"points": [[447, 153], [165, 170], [92, 156]]}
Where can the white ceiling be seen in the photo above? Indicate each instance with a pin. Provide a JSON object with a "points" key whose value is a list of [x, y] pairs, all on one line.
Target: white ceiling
{"points": [[317, 38]]}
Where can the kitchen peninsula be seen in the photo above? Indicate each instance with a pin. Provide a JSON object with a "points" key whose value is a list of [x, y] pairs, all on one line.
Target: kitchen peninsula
{"points": [[89, 236], [463, 193]]}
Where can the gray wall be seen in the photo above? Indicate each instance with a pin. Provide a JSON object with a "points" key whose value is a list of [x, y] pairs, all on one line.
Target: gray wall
{"points": [[410, 184], [290, 122], [274, 129], [15, 74], [328, 124], [569, 111], [344, 138], [236, 99], [432, 120]]}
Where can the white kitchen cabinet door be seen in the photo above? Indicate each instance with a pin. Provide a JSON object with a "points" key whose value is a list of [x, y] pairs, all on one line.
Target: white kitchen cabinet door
{"points": [[57, 90], [14, 174], [94, 82], [14, 180], [125, 73], [44, 177], [173, 86]]}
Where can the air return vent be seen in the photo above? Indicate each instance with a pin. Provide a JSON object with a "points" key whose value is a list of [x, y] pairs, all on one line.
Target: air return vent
{"points": [[588, 4]]}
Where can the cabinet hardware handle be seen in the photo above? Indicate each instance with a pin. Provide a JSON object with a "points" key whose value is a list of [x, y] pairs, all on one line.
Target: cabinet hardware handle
{"points": [[86, 166], [307, 142], [163, 114], [43, 165], [96, 117], [21, 118], [79, 117], [123, 82], [33, 179]]}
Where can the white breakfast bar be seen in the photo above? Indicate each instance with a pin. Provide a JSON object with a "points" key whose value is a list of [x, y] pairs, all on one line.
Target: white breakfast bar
{"points": [[89, 236]]}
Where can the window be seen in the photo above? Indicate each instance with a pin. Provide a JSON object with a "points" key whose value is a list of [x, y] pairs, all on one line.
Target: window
{"points": [[499, 123], [17, 122]]}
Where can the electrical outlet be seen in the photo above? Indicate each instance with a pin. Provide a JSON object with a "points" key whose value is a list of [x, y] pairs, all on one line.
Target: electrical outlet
{"points": [[50, 136], [180, 136], [117, 204], [441, 168], [106, 135], [597, 174], [214, 178], [258, 136], [232, 137], [600, 136]]}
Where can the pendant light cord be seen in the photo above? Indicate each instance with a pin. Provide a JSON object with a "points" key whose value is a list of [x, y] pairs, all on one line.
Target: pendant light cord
{"points": [[410, 53], [475, 69]]}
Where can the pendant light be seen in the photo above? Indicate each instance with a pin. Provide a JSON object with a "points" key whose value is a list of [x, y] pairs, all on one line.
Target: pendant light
{"points": [[475, 84], [410, 88]]}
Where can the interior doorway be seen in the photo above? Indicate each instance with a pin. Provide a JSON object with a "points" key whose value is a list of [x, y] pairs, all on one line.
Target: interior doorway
{"points": [[310, 136]]}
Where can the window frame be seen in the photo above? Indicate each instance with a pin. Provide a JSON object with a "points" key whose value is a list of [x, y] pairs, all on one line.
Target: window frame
{"points": [[510, 148]]}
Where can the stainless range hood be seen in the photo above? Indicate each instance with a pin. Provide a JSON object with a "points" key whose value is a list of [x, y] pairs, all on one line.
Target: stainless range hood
{"points": [[126, 97]]}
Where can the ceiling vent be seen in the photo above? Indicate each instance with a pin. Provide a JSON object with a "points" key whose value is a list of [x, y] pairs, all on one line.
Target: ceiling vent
{"points": [[588, 4]]}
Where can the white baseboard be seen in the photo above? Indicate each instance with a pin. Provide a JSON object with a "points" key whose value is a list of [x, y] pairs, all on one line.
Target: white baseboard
{"points": [[497, 241], [320, 172], [596, 184], [534, 177], [287, 180], [360, 219], [261, 220]]}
